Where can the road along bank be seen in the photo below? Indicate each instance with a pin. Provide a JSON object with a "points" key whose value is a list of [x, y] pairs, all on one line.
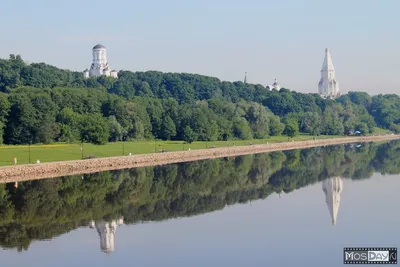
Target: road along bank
{"points": [[64, 168]]}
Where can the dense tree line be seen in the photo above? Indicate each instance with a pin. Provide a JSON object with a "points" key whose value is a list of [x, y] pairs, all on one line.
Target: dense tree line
{"points": [[40, 103], [65, 115], [46, 208]]}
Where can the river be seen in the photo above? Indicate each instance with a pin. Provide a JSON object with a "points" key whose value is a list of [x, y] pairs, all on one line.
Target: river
{"points": [[291, 208]]}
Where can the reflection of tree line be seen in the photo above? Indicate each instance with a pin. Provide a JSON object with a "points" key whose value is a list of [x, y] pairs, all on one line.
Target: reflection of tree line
{"points": [[46, 208]]}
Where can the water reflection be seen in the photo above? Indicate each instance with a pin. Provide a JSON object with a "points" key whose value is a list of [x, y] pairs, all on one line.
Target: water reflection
{"points": [[106, 231], [332, 188], [44, 209]]}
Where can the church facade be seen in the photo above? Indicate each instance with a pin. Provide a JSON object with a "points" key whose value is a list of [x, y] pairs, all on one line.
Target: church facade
{"points": [[328, 86], [100, 64], [275, 86]]}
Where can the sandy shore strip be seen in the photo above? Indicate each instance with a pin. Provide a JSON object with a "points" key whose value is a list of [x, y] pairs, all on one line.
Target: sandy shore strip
{"points": [[74, 167]]}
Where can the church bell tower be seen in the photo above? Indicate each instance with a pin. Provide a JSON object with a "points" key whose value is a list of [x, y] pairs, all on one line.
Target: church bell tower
{"points": [[328, 86]]}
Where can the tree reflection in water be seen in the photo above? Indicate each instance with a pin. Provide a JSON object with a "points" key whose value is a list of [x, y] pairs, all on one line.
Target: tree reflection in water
{"points": [[43, 209]]}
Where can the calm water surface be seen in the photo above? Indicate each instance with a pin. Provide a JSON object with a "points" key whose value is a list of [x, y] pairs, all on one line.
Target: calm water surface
{"points": [[294, 208]]}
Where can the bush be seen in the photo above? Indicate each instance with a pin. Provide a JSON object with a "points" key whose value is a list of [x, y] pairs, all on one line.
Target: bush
{"points": [[90, 157]]}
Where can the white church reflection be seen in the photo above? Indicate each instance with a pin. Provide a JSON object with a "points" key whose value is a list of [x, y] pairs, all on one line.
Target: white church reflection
{"points": [[332, 188], [106, 231]]}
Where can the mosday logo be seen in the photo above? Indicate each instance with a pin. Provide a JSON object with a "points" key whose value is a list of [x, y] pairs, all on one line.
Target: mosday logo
{"points": [[378, 255], [370, 255]]}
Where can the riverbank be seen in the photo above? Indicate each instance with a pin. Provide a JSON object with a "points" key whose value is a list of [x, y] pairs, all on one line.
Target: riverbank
{"points": [[74, 167], [76, 151]]}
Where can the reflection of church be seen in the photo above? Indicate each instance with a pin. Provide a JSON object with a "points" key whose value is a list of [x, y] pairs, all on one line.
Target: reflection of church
{"points": [[332, 188], [106, 231]]}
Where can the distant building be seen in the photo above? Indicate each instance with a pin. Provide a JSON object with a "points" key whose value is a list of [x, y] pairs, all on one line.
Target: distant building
{"points": [[106, 231], [275, 86], [100, 65], [332, 188], [328, 86]]}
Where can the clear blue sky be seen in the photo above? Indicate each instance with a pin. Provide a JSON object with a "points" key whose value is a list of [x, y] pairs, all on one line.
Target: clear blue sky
{"points": [[283, 39]]}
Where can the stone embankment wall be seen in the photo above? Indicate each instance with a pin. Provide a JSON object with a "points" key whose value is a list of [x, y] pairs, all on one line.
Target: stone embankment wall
{"points": [[64, 168]]}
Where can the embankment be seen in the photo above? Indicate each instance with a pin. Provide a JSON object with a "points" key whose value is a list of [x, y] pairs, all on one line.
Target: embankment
{"points": [[64, 168]]}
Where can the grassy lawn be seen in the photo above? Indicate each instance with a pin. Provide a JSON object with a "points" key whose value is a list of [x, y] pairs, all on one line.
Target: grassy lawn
{"points": [[60, 152]]}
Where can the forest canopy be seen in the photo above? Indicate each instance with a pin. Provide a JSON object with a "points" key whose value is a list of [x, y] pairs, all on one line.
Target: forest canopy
{"points": [[40, 103]]}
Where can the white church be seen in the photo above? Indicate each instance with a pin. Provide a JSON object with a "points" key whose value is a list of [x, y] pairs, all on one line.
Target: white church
{"points": [[106, 231], [332, 188], [328, 86], [275, 86], [100, 65]]}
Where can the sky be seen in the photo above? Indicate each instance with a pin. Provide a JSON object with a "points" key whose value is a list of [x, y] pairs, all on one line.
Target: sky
{"points": [[282, 39]]}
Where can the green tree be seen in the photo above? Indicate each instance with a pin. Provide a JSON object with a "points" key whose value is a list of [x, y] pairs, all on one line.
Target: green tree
{"points": [[4, 109], [275, 126], [168, 128], [48, 131], [116, 130], [363, 128], [291, 127], [68, 122], [311, 123], [395, 128], [21, 121], [94, 129], [189, 135], [42, 103], [213, 131], [241, 129]]}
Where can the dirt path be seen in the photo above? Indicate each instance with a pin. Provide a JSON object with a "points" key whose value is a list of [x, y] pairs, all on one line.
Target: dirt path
{"points": [[64, 168]]}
